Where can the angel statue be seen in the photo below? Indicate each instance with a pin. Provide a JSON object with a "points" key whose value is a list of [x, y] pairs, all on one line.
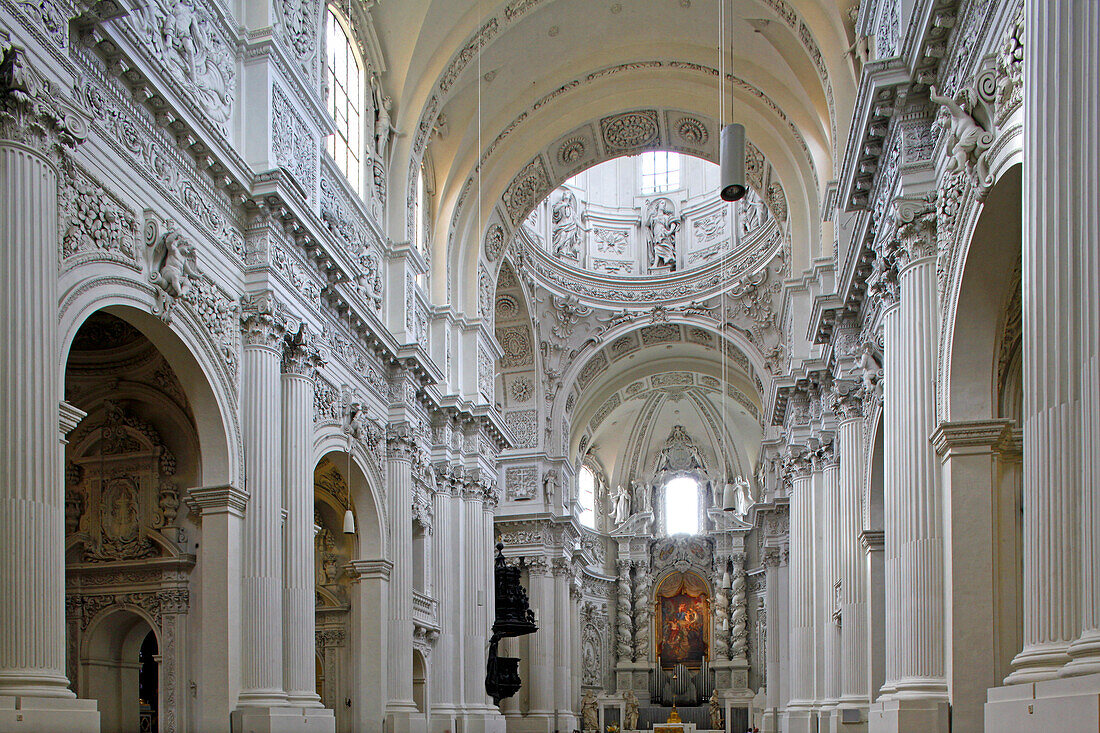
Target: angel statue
{"points": [[968, 140], [590, 714], [622, 504], [630, 718], [743, 492], [172, 261]]}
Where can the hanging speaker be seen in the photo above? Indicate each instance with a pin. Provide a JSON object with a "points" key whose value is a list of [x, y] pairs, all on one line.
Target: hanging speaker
{"points": [[732, 158], [349, 522]]}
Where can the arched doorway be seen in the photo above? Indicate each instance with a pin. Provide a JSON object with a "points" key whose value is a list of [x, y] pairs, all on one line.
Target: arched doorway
{"points": [[420, 682], [120, 662], [130, 538], [980, 445]]}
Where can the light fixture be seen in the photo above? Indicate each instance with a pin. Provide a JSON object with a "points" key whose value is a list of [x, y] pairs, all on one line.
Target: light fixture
{"points": [[729, 497]]}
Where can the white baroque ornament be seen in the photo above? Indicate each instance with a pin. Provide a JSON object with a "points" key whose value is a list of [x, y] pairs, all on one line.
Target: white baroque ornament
{"points": [[184, 39], [173, 264]]}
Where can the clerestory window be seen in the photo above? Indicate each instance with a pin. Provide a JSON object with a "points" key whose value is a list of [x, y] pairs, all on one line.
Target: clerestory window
{"points": [[682, 506], [660, 171], [345, 101], [586, 496]]}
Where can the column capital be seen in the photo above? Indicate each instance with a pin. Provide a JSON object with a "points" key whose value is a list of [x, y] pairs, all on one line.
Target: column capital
{"points": [[302, 354], [400, 444], [30, 111], [772, 557], [872, 539], [847, 400], [962, 437], [263, 319], [70, 416], [219, 499], [915, 218], [378, 569]]}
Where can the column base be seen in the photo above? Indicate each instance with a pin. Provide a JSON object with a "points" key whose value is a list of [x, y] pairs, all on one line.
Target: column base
{"points": [[848, 717], [488, 721], [1070, 705], [282, 719], [1038, 663], [798, 721], [406, 721], [909, 716], [1084, 656], [531, 723], [24, 714]]}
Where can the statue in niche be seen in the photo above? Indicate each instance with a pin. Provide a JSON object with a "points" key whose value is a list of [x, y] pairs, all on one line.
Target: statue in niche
{"points": [[622, 505], [715, 712], [753, 212], [642, 496], [663, 224], [630, 718], [566, 233], [550, 486], [743, 492], [590, 715]]}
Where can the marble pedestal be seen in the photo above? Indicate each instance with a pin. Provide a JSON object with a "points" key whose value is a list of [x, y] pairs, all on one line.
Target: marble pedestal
{"points": [[283, 719], [60, 714], [909, 716], [1070, 705]]}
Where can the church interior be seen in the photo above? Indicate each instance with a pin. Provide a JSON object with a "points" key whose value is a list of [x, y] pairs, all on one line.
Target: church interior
{"points": [[549, 366]]}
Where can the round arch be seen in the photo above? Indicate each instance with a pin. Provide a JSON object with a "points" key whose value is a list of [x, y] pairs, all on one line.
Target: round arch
{"points": [[367, 502], [206, 372]]}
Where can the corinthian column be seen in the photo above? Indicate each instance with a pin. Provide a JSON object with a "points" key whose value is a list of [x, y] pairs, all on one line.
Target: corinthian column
{"points": [[301, 358], [916, 688], [400, 449], [32, 502], [829, 641], [800, 616], [262, 322], [541, 645], [1076, 28], [854, 691]]}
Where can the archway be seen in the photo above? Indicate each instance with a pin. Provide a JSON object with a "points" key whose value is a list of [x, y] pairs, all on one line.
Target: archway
{"points": [[130, 537], [420, 682], [980, 445], [120, 661]]}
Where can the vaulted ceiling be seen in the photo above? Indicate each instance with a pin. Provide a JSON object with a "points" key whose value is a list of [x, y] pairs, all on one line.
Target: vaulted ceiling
{"points": [[500, 82]]}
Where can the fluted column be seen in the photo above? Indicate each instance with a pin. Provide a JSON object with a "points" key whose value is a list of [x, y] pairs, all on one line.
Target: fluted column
{"points": [[479, 594], [262, 323], [1075, 27], [32, 501], [854, 607], [801, 595], [541, 644], [301, 358], [444, 656], [830, 552], [915, 669], [565, 632], [400, 449], [775, 589]]}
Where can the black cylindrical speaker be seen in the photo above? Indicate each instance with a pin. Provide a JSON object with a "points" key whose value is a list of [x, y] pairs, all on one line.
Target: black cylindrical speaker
{"points": [[732, 159]]}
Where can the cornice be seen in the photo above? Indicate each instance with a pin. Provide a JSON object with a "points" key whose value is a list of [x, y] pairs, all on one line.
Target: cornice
{"points": [[220, 499], [970, 436]]}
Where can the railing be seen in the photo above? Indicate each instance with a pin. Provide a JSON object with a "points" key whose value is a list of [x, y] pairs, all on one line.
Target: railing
{"points": [[423, 609]]}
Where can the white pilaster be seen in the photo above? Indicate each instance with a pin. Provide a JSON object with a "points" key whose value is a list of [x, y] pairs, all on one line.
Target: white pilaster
{"points": [[799, 714], [854, 606], [400, 449], [262, 557], [829, 641], [776, 594], [301, 358], [32, 501], [915, 692], [541, 644]]}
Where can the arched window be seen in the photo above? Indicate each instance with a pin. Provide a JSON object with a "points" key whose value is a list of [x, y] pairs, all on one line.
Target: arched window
{"points": [[682, 506], [660, 171], [586, 496], [420, 212], [345, 102]]}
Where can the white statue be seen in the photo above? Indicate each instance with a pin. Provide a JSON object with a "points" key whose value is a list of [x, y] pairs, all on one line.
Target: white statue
{"points": [[590, 714], [715, 712], [662, 224], [753, 212], [968, 140], [622, 504], [566, 229], [642, 496], [383, 125], [743, 492], [630, 718]]}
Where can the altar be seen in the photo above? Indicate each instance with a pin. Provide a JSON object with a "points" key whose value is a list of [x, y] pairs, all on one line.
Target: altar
{"points": [[680, 727]]}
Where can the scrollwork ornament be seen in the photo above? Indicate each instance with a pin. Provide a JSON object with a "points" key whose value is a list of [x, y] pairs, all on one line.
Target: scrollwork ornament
{"points": [[30, 111], [302, 354], [263, 319]]}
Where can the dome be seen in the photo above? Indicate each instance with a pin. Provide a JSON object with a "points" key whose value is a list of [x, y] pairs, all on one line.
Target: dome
{"points": [[646, 228]]}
